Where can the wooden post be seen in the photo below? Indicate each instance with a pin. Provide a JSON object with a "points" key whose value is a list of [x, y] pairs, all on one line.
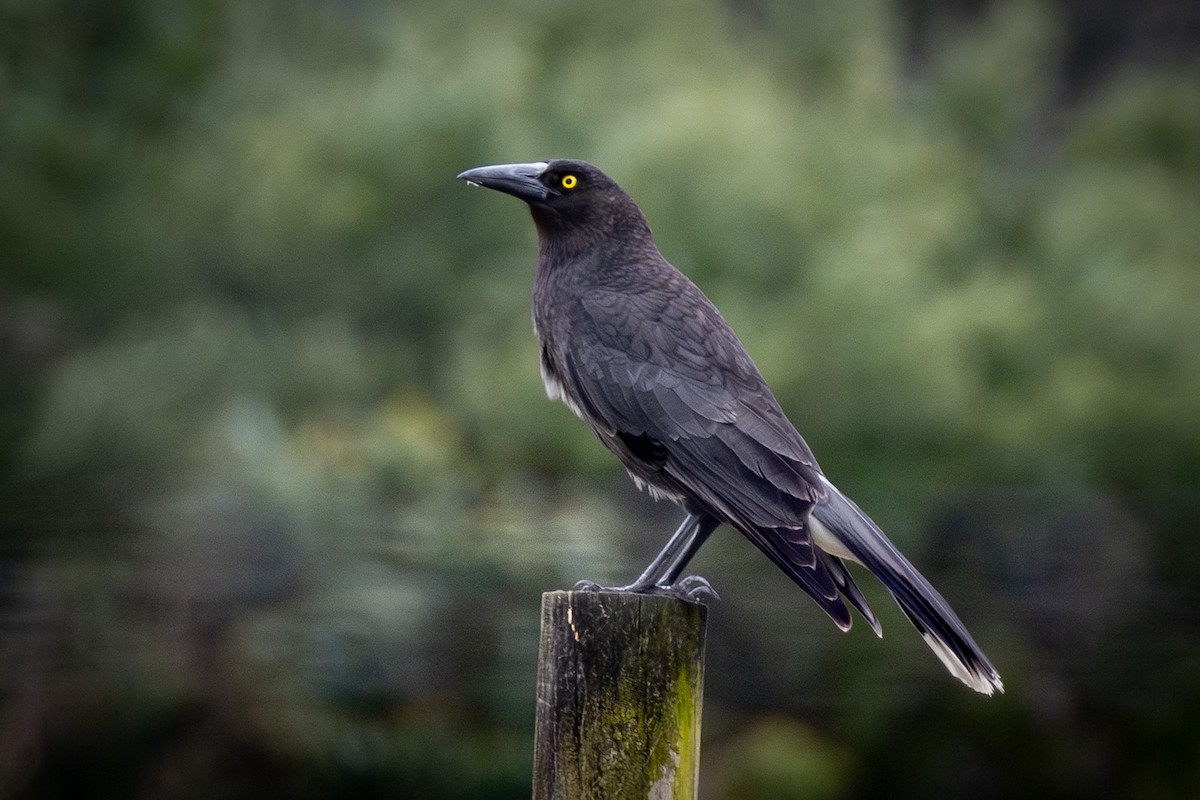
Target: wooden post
{"points": [[619, 690]]}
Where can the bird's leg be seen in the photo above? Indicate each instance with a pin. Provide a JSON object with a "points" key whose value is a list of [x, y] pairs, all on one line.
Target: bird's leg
{"points": [[653, 574], [660, 576], [704, 528], [680, 541]]}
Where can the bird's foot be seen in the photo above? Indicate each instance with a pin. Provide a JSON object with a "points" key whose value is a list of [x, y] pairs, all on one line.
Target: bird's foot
{"points": [[693, 589]]}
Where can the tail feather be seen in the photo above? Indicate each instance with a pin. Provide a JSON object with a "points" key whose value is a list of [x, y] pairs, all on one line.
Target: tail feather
{"points": [[849, 590], [841, 529], [805, 565]]}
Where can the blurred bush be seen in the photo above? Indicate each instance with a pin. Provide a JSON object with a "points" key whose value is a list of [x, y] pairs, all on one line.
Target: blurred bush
{"points": [[279, 486]]}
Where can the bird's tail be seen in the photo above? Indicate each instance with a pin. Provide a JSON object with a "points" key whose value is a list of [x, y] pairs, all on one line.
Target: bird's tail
{"points": [[841, 528]]}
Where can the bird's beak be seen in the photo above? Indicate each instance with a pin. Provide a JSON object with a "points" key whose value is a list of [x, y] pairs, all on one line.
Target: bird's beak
{"points": [[519, 180]]}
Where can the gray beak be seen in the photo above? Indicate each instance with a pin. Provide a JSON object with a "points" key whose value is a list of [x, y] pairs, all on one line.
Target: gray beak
{"points": [[519, 180]]}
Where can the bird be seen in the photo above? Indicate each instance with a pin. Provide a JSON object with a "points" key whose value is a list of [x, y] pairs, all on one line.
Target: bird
{"points": [[638, 352]]}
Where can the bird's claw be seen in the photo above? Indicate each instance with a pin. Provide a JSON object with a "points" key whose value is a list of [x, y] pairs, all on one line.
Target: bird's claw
{"points": [[693, 589]]}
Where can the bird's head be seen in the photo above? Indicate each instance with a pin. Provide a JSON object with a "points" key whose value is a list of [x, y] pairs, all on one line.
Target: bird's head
{"points": [[563, 194]]}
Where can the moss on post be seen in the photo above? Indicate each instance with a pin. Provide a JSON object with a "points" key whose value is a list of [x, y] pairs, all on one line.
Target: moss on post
{"points": [[620, 684]]}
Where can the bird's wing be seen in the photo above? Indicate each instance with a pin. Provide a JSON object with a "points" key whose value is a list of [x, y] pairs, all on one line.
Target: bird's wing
{"points": [[665, 382], [666, 366]]}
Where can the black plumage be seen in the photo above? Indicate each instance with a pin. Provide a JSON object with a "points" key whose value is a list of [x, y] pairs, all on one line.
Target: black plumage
{"points": [[639, 353]]}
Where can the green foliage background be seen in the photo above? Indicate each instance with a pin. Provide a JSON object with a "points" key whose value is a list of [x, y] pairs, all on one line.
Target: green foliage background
{"points": [[279, 487]]}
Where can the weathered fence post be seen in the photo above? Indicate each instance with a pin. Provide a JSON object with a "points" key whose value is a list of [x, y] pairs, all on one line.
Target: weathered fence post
{"points": [[619, 690]]}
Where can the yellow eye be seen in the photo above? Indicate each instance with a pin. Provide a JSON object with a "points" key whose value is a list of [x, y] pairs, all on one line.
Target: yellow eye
{"points": [[569, 181]]}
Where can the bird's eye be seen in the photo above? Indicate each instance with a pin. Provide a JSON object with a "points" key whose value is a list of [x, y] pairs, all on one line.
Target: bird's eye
{"points": [[569, 181]]}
